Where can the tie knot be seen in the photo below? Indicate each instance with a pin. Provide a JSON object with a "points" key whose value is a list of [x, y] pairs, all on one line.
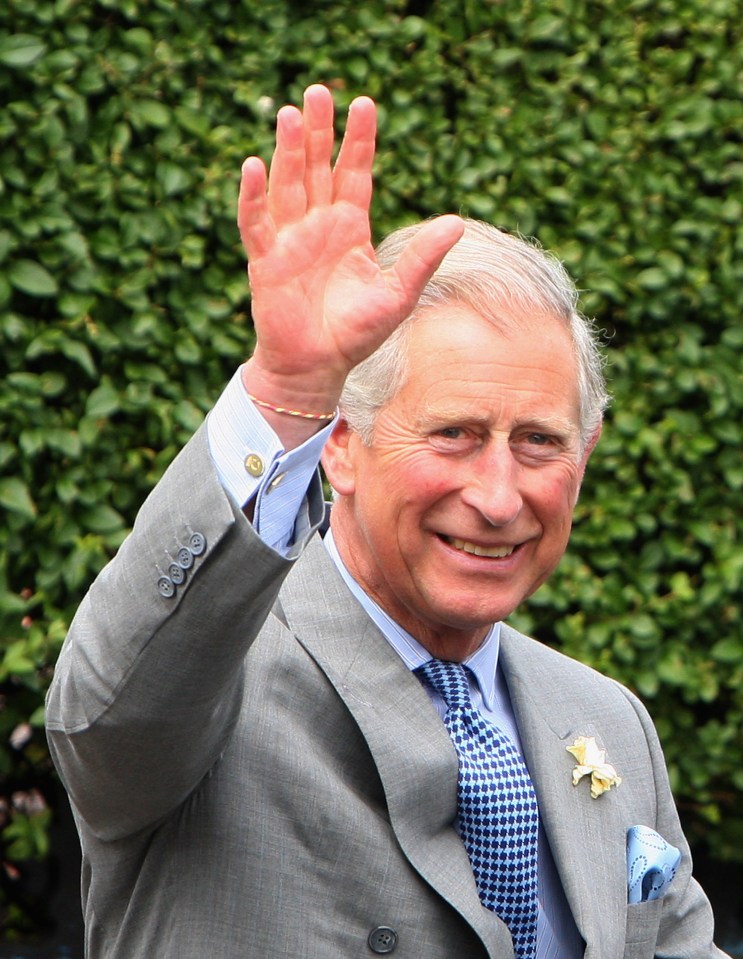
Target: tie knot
{"points": [[449, 680]]}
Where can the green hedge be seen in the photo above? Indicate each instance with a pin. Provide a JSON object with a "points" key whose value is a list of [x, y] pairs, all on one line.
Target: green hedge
{"points": [[612, 131]]}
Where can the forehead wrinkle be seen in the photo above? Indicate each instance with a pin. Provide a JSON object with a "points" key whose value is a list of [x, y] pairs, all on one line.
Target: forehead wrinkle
{"points": [[429, 414], [499, 386]]}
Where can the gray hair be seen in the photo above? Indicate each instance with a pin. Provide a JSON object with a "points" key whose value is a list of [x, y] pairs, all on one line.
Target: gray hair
{"points": [[485, 270]]}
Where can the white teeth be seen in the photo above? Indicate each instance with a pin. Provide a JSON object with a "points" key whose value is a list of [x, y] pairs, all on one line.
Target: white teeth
{"points": [[494, 552]]}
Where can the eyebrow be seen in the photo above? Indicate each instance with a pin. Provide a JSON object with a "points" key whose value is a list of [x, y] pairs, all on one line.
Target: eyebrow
{"points": [[428, 417], [552, 424]]}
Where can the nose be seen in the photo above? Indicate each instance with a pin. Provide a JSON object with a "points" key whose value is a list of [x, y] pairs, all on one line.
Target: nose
{"points": [[492, 486]]}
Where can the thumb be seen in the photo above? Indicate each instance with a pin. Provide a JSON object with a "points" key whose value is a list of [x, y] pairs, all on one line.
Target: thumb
{"points": [[422, 256]]}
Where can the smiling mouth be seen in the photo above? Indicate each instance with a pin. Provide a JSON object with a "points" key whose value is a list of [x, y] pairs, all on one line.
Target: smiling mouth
{"points": [[474, 549]]}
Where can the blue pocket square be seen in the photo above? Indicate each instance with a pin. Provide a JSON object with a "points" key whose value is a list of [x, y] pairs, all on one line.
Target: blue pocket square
{"points": [[651, 864]]}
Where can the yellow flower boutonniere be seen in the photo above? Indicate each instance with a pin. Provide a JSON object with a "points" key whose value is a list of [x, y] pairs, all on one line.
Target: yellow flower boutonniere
{"points": [[592, 762]]}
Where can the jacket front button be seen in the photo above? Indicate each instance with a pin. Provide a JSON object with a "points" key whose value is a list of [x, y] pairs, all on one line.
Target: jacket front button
{"points": [[382, 940]]}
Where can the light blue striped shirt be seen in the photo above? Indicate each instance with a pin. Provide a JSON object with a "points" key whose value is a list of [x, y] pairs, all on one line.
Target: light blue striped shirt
{"points": [[237, 431]]}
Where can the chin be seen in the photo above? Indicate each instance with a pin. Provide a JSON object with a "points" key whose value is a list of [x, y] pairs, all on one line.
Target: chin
{"points": [[468, 620]]}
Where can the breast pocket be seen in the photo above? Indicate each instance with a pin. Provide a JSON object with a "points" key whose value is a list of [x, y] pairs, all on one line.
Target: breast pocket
{"points": [[643, 923]]}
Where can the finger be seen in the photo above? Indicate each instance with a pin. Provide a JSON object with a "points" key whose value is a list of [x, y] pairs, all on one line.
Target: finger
{"points": [[421, 257], [352, 176], [287, 200], [319, 137], [257, 230]]}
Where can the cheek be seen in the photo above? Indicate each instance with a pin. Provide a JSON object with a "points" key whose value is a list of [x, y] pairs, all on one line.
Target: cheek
{"points": [[425, 485], [413, 476], [555, 500]]}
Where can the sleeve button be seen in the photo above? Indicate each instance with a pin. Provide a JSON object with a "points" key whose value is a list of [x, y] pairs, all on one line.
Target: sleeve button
{"points": [[185, 558], [197, 543], [166, 587]]}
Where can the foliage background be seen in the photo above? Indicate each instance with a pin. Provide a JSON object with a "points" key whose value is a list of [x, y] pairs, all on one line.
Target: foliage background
{"points": [[610, 129]]}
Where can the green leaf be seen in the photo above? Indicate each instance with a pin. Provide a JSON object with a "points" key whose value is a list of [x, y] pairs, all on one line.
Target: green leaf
{"points": [[15, 497], [6, 243], [66, 442], [188, 416], [17, 661], [104, 401], [173, 178], [103, 519], [728, 650], [7, 454], [36, 719], [79, 352], [21, 50], [652, 279], [150, 113], [32, 278]]}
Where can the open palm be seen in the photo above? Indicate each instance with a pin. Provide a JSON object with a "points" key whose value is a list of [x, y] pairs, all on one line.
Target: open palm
{"points": [[320, 302]]}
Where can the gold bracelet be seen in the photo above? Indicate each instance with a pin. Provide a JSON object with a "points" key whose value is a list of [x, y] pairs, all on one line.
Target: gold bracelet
{"points": [[287, 412]]}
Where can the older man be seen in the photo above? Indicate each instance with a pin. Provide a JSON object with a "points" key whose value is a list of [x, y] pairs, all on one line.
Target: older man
{"points": [[283, 745]]}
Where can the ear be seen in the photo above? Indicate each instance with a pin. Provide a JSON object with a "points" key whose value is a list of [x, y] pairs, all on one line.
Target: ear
{"points": [[585, 456], [338, 459], [591, 444]]}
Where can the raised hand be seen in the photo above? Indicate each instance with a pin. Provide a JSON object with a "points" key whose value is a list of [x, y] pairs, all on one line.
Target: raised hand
{"points": [[320, 302]]}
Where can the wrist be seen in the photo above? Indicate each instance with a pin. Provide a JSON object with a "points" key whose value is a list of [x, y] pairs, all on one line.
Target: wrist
{"points": [[293, 411], [313, 395], [299, 414]]}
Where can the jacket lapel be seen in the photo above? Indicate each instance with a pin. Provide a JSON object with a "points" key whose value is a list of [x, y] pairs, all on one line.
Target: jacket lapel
{"points": [[586, 836], [411, 748]]}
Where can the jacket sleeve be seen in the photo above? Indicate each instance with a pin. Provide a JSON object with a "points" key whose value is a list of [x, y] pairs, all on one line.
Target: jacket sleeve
{"points": [[148, 684]]}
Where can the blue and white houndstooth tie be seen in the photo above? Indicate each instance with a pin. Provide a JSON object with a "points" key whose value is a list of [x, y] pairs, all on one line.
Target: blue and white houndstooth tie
{"points": [[498, 813]]}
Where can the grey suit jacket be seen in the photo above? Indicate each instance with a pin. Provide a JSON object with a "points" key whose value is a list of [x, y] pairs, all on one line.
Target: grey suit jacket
{"points": [[255, 773]]}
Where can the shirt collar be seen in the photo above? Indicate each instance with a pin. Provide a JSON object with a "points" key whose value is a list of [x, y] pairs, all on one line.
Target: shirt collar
{"points": [[483, 663]]}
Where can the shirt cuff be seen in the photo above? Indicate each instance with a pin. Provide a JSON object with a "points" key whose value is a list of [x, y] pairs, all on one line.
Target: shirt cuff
{"points": [[252, 465]]}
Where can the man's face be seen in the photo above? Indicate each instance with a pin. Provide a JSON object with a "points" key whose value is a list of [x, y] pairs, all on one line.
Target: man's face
{"points": [[461, 506]]}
